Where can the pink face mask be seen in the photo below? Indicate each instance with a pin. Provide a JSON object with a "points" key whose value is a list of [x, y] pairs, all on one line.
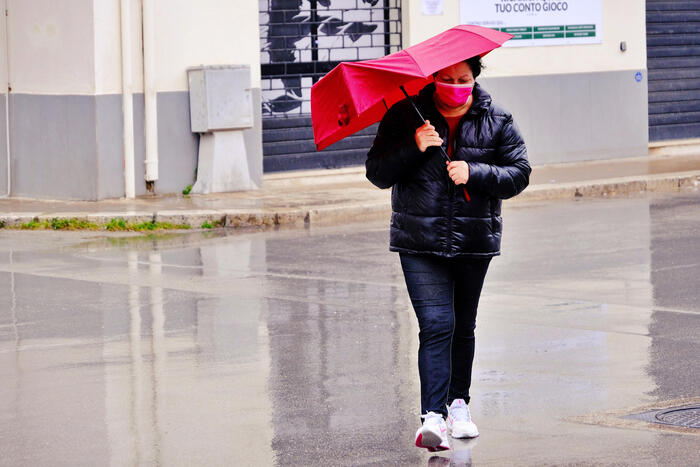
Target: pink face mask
{"points": [[453, 95]]}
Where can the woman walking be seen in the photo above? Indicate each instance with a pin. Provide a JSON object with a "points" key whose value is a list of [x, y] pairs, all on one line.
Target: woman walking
{"points": [[446, 226]]}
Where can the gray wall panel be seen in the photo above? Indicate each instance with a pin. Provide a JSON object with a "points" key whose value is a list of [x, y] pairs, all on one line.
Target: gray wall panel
{"points": [[53, 146], [110, 154], [575, 117], [70, 147], [177, 145], [3, 147]]}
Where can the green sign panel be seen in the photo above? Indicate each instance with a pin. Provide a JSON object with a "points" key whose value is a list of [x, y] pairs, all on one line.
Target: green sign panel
{"points": [[581, 27], [549, 28], [573, 31], [581, 34], [516, 30], [549, 35]]}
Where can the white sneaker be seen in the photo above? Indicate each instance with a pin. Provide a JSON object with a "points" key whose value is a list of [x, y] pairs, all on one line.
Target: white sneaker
{"points": [[433, 434], [459, 421]]}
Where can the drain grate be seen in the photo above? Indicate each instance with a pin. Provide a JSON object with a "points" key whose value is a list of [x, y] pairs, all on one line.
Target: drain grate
{"points": [[688, 417], [685, 416]]}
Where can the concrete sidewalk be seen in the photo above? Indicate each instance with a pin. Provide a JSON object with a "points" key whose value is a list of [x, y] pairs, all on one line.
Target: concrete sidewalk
{"points": [[344, 195]]}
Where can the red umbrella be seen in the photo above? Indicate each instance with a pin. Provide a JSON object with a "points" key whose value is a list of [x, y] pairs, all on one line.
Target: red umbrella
{"points": [[354, 95]]}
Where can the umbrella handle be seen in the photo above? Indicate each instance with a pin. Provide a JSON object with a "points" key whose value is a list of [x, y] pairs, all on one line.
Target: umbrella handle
{"points": [[444, 154]]}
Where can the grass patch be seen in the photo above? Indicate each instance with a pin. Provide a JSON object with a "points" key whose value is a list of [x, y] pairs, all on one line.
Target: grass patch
{"points": [[117, 224], [187, 190], [72, 224], [34, 224], [59, 224], [213, 224], [113, 225], [159, 226], [121, 224]]}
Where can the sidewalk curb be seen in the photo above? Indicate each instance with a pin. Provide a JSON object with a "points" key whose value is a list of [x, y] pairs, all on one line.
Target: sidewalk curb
{"points": [[613, 186], [362, 210]]}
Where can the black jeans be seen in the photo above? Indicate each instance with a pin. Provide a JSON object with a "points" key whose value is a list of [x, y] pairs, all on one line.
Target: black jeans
{"points": [[445, 295]]}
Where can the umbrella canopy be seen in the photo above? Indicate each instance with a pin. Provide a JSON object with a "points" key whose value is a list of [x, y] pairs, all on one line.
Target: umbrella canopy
{"points": [[354, 95]]}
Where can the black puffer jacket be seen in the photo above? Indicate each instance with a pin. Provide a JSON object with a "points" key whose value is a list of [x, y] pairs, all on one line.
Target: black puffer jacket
{"points": [[430, 213]]}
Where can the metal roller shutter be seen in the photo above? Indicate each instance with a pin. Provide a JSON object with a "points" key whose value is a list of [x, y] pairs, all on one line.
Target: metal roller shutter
{"points": [[301, 40], [673, 62]]}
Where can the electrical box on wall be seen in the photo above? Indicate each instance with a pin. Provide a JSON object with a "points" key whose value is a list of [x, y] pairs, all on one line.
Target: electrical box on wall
{"points": [[220, 98], [221, 111]]}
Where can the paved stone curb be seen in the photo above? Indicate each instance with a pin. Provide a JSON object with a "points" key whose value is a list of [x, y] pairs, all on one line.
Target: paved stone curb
{"points": [[612, 186], [362, 210]]}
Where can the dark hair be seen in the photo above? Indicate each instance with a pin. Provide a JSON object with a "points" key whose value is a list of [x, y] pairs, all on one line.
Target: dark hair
{"points": [[475, 65]]}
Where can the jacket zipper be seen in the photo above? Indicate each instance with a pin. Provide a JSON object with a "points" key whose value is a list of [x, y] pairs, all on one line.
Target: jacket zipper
{"points": [[450, 191], [450, 194]]}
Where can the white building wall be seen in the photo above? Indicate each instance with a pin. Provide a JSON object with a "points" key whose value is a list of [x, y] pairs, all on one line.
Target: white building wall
{"points": [[623, 20], [208, 32], [3, 47], [51, 47], [73, 46], [107, 39]]}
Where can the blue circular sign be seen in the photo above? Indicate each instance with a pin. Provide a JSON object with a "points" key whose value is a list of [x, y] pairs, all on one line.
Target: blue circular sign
{"points": [[638, 76]]}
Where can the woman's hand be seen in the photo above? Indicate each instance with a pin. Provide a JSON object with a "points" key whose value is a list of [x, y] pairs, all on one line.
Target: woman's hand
{"points": [[459, 171], [427, 136]]}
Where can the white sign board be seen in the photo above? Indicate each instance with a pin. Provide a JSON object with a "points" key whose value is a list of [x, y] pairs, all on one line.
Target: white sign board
{"points": [[538, 22]]}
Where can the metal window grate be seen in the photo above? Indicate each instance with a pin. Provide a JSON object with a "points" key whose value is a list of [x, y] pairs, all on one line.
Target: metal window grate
{"points": [[301, 40], [673, 64]]}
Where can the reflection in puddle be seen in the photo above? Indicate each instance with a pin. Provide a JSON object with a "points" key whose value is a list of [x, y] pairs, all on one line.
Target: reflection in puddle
{"points": [[135, 414], [139, 437], [195, 370]]}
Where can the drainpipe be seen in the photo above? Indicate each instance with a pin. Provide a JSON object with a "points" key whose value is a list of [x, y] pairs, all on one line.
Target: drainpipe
{"points": [[7, 100], [149, 91], [7, 138], [127, 101]]}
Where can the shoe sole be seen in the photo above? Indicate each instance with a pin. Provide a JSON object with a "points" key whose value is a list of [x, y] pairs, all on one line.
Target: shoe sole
{"points": [[460, 435], [430, 442]]}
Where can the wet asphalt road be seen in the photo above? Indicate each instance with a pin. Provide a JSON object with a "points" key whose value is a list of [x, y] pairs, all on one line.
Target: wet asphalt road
{"points": [[298, 347]]}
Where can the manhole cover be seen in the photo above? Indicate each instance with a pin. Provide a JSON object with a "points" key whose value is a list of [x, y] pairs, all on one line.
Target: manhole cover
{"points": [[683, 416], [687, 417]]}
